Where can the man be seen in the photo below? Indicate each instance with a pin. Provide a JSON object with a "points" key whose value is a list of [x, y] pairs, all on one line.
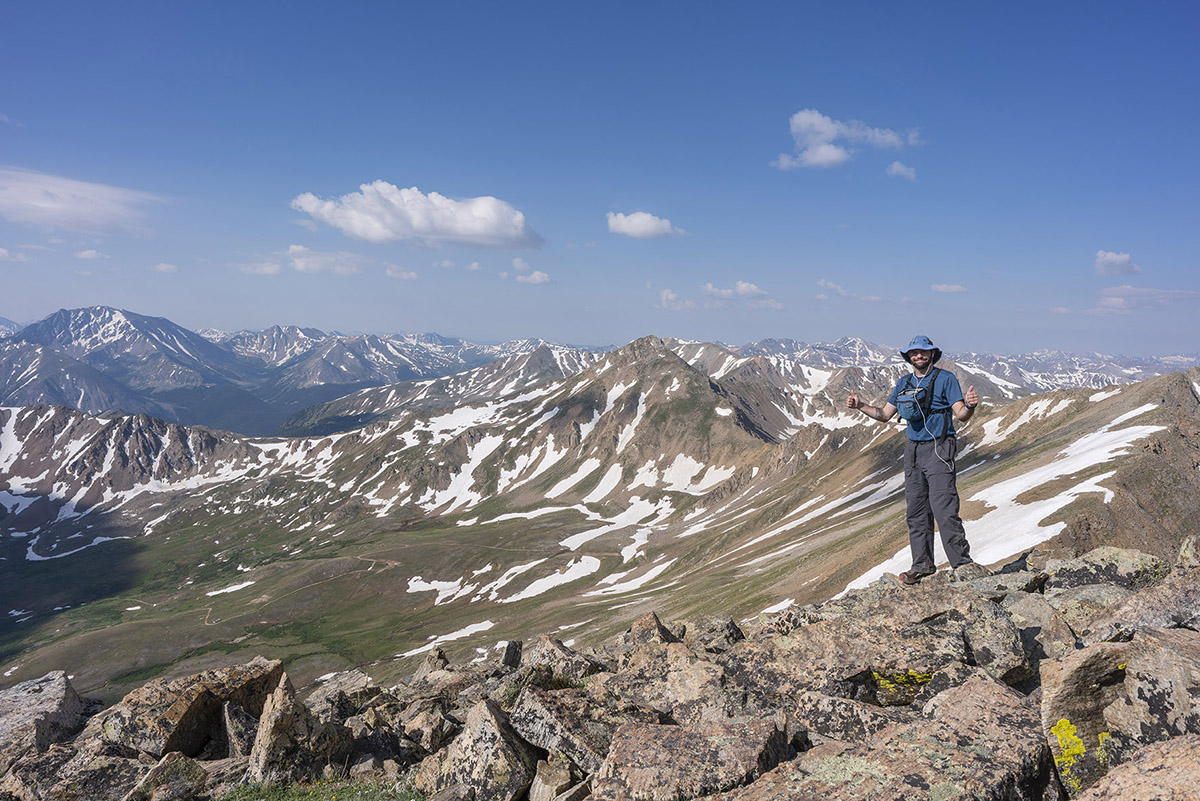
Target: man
{"points": [[930, 400]]}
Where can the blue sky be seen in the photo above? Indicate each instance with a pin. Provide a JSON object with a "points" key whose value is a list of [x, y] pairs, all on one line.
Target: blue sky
{"points": [[1000, 176]]}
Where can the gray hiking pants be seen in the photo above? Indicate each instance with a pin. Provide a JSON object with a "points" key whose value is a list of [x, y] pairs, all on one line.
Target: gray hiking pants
{"points": [[931, 491]]}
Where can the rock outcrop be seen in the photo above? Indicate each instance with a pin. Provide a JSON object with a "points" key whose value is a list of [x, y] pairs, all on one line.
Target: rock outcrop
{"points": [[1081, 680], [35, 714]]}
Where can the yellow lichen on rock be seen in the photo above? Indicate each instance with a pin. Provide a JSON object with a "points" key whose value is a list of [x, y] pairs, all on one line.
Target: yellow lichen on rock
{"points": [[1070, 748], [898, 688]]}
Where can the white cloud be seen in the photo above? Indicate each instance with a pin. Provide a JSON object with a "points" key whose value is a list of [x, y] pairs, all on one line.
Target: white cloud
{"points": [[898, 170], [90, 254], [7, 120], [755, 297], [473, 267], [838, 290], [382, 212], [260, 268], [716, 292], [667, 299], [396, 271], [312, 261], [1128, 299], [445, 264], [6, 256], [520, 265], [950, 288], [309, 225], [504, 276], [50, 200], [1108, 263], [163, 267], [1060, 310], [535, 277], [825, 142], [641, 225]]}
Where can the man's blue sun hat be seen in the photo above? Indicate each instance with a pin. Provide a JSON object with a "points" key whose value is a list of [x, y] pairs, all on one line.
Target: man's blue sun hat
{"points": [[922, 342]]}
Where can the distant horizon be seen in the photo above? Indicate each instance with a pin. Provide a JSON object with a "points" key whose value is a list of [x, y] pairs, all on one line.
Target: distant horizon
{"points": [[611, 345]]}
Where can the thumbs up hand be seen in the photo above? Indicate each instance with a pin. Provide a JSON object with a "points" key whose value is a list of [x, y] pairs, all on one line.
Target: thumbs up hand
{"points": [[972, 397], [853, 402]]}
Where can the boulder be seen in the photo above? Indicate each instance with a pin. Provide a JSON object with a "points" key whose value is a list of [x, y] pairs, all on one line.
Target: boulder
{"points": [[1078, 605], [1006, 587], [1044, 632], [293, 744], [1076, 689], [1123, 567], [36, 714], [342, 695], [843, 718], [1166, 771], [365, 767], [1172, 604], [512, 653], [91, 771], [980, 740], [648, 628], [711, 633], [175, 777], [487, 756], [426, 723], [550, 653], [445, 683], [1161, 690], [576, 723], [240, 730], [187, 715], [882, 654], [672, 763], [1101, 704], [433, 662], [552, 779], [457, 792], [577, 793], [370, 735], [225, 775], [671, 679]]}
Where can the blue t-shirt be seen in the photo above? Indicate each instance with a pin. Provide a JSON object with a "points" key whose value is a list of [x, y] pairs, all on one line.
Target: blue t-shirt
{"points": [[946, 393]]}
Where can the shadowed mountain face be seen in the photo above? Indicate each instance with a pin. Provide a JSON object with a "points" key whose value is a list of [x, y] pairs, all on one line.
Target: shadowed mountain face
{"points": [[531, 495]]}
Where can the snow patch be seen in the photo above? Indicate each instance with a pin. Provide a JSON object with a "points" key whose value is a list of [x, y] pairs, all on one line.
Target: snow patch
{"points": [[234, 588], [574, 570], [462, 633]]}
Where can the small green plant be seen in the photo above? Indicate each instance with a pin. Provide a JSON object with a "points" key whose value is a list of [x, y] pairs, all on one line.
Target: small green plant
{"points": [[326, 790]]}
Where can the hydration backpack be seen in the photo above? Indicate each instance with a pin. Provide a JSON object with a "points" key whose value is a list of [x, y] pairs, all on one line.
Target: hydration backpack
{"points": [[915, 401]]}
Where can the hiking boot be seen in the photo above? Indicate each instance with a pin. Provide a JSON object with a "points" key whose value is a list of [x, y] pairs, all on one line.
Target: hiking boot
{"points": [[970, 571], [914, 575]]}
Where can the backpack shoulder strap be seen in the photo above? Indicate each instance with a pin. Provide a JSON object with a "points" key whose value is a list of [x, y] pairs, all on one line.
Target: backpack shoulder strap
{"points": [[932, 386]]}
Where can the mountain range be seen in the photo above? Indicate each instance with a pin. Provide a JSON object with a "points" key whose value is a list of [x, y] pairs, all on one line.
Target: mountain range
{"points": [[549, 491], [101, 360], [275, 381]]}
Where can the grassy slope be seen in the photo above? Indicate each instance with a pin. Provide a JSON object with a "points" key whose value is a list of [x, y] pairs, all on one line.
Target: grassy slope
{"points": [[325, 600]]}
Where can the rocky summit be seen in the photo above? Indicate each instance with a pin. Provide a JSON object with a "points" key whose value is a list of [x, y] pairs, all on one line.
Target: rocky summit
{"points": [[1017, 686]]}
